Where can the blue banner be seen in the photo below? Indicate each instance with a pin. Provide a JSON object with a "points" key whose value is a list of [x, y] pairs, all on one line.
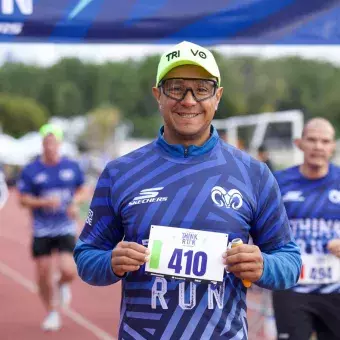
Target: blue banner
{"points": [[163, 22]]}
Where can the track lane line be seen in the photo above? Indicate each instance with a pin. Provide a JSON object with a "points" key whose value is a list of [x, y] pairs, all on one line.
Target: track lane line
{"points": [[76, 317]]}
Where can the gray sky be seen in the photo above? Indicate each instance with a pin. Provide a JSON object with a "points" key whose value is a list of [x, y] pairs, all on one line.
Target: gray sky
{"points": [[47, 54]]}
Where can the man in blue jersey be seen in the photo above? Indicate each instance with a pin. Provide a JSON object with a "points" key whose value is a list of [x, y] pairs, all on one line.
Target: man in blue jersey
{"points": [[50, 187], [311, 194], [189, 183]]}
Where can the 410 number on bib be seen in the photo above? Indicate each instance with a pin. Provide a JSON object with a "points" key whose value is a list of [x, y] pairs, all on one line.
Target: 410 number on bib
{"points": [[186, 253]]}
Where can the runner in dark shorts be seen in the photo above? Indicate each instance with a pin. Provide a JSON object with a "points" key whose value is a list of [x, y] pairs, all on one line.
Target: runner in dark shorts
{"points": [[46, 245], [51, 186], [311, 195]]}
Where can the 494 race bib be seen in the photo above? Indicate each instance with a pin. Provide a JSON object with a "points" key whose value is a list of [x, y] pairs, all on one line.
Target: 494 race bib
{"points": [[186, 253], [319, 269]]}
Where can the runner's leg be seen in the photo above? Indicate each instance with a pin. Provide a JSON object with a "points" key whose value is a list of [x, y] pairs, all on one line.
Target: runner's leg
{"points": [[67, 267], [41, 251]]}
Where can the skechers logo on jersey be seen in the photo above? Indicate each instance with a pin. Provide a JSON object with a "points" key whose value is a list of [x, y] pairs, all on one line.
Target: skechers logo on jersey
{"points": [[293, 196], [231, 199], [149, 196]]}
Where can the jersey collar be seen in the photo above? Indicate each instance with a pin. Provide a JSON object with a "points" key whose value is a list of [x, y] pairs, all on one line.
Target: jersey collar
{"points": [[180, 151]]}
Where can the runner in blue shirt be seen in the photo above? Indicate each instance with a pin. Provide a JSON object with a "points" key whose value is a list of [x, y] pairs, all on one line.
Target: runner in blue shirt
{"points": [[50, 187], [311, 194], [187, 178]]}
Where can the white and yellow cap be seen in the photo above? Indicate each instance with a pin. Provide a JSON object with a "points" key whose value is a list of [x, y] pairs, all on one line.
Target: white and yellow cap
{"points": [[187, 53]]}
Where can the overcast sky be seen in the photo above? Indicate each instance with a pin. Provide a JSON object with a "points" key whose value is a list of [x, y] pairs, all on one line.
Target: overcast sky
{"points": [[47, 54]]}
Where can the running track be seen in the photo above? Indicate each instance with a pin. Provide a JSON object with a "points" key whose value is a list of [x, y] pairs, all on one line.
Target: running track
{"points": [[94, 312]]}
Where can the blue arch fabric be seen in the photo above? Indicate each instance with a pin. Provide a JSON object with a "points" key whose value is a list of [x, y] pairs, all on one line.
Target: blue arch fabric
{"points": [[167, 22]]}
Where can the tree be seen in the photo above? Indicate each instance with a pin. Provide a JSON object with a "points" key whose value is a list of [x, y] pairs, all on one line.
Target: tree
{"points": [[68, 100], [19, 79], [251, 85], [20, 115], [102, 122]]}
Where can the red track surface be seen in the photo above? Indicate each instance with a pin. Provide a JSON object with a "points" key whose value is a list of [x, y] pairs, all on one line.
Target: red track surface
{"points": [[94, 311]]}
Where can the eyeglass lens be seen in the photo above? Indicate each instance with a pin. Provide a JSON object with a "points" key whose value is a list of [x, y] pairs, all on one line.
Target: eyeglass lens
{"points": [[178, 88]]}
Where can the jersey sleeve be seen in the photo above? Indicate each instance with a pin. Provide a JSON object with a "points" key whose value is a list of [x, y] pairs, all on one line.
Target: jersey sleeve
{"points": [[103, 228], [25, 184], [281, 267], [270, 229]]}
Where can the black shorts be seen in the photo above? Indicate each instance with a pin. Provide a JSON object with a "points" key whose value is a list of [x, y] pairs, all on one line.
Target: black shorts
{"points": [[297, 315], [45, 245]]}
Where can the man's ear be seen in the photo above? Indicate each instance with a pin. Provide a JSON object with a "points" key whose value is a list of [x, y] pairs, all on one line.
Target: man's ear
{"points": [[333, 147], [218, 96], [297, 143], [156, 93]]}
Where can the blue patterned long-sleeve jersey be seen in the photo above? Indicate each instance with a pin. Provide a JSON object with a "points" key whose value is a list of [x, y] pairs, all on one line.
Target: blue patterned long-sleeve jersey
{"points": [[313, 208], [169, 185]]}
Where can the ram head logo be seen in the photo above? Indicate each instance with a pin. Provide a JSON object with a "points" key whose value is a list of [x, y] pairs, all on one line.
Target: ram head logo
{"points": [[231, 199]]}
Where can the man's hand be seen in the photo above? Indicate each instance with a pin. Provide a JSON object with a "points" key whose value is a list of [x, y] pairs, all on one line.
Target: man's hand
{"points": [[245, 262], [334, 247], [128, 257], [72, 211], [52, 203]]}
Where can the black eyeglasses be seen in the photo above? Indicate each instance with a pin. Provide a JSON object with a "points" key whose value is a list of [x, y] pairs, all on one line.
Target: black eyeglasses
{"points": [[177, 88]]}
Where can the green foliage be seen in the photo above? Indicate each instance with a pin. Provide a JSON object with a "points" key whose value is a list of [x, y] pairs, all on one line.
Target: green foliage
{"points": [[20, 115], [147, 127], [101, 126], [68, 101], [251, 85]]}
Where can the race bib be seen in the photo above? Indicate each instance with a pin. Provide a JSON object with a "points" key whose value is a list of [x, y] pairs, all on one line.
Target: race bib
{"points": [[319, 269], [186, 254], [64, 195]]}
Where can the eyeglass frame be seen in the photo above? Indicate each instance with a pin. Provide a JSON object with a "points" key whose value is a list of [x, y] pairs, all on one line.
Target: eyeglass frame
{"points": [[161, 83]]}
